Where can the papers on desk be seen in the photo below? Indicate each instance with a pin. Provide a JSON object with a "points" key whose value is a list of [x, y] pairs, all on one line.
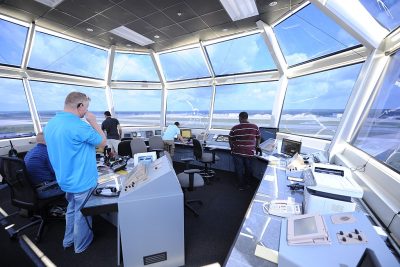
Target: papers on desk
{"points": [[107, 178]]}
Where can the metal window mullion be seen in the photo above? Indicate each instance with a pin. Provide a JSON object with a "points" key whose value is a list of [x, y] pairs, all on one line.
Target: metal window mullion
{"points": [[156, 61], [32, 106], [360, 101], [28, 46], [107, 78], [211, 112]]}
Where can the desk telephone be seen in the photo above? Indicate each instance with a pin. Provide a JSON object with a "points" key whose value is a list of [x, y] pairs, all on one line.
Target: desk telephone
{"points": [[283, 208]]}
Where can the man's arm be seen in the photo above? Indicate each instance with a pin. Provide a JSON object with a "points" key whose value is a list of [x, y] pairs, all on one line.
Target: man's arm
{"points": [[91, 119], [119, 130]]}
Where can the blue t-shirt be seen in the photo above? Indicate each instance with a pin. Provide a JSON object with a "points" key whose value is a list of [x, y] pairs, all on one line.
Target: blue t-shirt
{"points": [[171, 131], [71, 144], [38, 165]]}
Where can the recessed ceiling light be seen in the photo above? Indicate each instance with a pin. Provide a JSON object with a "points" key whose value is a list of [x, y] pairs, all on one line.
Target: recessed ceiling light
{"points": [[50, 3], [240, 9], [179, 14], [274, 3], [89, 29], [156, 36], [224, 29], [128, 45], [132, 36]]}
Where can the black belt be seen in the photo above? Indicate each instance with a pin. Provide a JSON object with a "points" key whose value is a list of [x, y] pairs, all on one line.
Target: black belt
{"points": [[45, 183]]}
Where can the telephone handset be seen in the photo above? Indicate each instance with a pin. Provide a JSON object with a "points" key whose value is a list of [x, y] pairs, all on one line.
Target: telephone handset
{"points": [[283, 208]]}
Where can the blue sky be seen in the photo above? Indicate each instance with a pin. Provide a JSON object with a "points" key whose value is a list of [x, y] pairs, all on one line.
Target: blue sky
{"points": [[298, 37]]}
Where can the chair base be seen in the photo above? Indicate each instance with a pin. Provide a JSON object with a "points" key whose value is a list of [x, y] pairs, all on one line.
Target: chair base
{"points": [[187, 205]]}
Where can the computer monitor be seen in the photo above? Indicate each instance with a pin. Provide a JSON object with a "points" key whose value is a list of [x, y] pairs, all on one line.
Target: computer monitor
{"points": [[290, 147], [267, 133], [157, 132], [149, 134], [186, 133]]}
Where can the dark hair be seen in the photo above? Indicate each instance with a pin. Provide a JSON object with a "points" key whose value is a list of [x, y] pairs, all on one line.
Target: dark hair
{"points": [[107, 113], [243, 115], [176, 123]]}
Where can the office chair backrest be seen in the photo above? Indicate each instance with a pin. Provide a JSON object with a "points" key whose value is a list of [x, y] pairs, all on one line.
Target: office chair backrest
{"points": [[197, 149], [124, 148], [23, 195], [138, 146], [156, 142]]}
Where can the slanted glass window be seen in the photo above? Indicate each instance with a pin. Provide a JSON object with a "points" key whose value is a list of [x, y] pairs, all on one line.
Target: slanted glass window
{"points": [[49, 99], [184, 65], [12, 43], [314, 104], [379, 135], [137, 107], [256, 99], [190, 107], [134, 67], [240, 55], [386, 12], [15, 118], [309, 34], [56, 54]]}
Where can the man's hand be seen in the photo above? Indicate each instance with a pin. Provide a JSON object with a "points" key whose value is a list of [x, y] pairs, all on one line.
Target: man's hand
{"points": [[90, 117], [258, 151]]}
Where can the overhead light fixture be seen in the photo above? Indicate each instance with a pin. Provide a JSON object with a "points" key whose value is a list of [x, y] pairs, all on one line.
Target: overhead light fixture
{"points": [[89, 29], [50, 3], [240, 9], [128, 45], [132, 36], [156, 36], [274, 3]]}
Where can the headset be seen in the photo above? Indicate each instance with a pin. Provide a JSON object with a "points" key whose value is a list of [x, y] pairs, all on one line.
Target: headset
{"points": [[106, 191]]}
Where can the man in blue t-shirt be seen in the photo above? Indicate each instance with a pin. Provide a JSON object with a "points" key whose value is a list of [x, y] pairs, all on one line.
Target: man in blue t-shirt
{"points": [[71, 144], [169, 136], [41, 173]]}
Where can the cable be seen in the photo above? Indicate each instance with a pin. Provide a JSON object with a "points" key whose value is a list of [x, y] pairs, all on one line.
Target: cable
{"points": [[361, 168]]}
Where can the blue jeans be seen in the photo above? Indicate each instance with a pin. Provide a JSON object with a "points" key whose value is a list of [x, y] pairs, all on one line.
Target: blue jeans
{"points": [[48, 191], [242, 169], [77, 230]]}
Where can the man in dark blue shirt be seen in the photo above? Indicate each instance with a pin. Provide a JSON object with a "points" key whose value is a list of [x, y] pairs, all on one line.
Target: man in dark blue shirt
{"points": [[40, 171]]}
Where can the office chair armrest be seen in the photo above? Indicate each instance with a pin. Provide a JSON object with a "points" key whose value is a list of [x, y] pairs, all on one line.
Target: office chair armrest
{"points": [[187, 159]]}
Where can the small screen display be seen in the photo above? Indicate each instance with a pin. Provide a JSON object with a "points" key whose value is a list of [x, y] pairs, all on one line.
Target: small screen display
{"points": [[290, 147], [305, 226], [149, 134], [186, 133], [157, 132], [267, 133]]}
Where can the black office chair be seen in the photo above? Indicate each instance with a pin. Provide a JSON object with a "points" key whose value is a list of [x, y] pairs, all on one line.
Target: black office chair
{"points": [[206, 158], [138, 146], [24, 196], [124, 148], [156, 144]]}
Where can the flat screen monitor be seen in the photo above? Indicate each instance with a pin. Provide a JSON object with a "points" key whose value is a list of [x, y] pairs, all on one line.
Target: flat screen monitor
{"points": [[290, 147], [267, 133], [222, 138], [157, 132], [186, 133], [149, 134]]}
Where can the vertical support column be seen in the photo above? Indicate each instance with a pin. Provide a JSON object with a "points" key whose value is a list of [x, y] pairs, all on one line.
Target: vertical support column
{"points": [[211, 70], [360, 101], [107, 78], [277, 55], [156, 60]]}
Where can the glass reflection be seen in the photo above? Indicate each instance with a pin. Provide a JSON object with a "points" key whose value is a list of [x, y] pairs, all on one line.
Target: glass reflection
{"points": [[386, 12], [15, 118], [189, 106], [12, 42], [379, 135], [314, 104]]}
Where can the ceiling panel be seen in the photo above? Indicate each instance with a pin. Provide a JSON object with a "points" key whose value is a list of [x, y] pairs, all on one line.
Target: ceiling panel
{"points": [[198, 19]]}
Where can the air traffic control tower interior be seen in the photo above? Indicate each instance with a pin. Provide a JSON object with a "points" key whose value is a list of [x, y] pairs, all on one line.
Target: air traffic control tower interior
{"points": [[322, 73]]}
